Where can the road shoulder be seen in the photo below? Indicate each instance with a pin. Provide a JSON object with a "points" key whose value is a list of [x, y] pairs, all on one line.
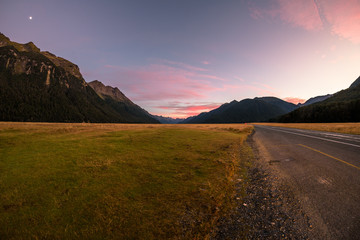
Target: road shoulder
{"points": [[268, 209]]}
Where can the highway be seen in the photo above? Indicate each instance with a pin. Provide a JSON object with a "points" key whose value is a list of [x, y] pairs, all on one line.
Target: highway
{"points": [[323, 171]]}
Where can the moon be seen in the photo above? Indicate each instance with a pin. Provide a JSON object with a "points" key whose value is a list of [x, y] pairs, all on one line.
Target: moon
{"points": [[30, 18]]}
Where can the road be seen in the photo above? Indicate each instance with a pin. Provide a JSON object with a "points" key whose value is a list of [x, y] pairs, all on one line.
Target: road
{"points": [[323, 170]]}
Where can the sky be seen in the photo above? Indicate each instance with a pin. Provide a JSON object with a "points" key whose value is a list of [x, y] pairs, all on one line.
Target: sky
{"points": [[179, 58]]}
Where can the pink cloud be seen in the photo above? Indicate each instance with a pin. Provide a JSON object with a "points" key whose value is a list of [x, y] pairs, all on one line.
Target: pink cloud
{"points": [[175, 89], [302, 13], [163, 82], [341, 17], [211, 77], [344, 18], [239, 78], [186, 110], [182, 65], [294, 100]]}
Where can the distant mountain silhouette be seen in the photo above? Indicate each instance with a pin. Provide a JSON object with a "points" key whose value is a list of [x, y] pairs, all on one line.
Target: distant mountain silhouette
{"points": [[247, 110], [356, 83], [39, 86], [168, 120], [343, 106], [315, 100]]}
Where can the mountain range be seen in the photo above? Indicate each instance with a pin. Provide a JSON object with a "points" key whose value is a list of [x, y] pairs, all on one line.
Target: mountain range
{"points": [[343, 106], [41, 87], [168, 120], [247, 110], [315, 100]]}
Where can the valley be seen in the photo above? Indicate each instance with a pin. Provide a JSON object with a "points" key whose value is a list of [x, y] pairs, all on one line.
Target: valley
{"points": [[38, 86], [154, 120]]}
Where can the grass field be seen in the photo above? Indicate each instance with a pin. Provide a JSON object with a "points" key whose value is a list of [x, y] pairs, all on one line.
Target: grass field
{"points": [[349, 128], [113, 181]]}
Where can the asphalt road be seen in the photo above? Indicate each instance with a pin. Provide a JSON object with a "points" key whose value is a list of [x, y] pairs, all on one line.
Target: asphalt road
{"points": [[323, 170]]}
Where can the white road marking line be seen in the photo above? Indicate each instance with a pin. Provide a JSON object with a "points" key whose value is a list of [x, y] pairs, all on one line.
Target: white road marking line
{"points": [[333, 135], [342, 136], [304, 135]]}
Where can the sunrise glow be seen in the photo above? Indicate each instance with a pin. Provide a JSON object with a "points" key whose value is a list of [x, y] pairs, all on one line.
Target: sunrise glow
{"points": [[221, 51]]}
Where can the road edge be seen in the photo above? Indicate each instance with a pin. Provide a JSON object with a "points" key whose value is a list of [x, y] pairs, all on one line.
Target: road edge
{"points": [[266, 207]]}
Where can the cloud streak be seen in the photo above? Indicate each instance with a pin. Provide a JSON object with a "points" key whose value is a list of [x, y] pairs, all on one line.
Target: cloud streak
{"points": [[342, 18], [294, 100], [302, 13], [186, 110], [163, 81], [179, 90]]}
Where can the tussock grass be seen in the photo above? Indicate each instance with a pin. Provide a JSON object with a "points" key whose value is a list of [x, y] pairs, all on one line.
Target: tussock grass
{"points": [[115, 181], [349, 128]]}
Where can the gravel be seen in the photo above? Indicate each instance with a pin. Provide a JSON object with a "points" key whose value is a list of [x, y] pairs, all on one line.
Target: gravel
{"points": [[267, 210]]}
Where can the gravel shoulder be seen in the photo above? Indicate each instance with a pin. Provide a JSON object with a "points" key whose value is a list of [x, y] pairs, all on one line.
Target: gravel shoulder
{"points": [[267, 208]]}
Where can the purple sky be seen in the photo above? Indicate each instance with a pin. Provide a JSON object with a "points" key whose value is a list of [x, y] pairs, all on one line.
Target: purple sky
{"points": [[181, 57]]}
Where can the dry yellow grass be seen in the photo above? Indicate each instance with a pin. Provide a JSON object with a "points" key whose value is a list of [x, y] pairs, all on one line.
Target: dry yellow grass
{"points": [[113, 126], [349, 128]]}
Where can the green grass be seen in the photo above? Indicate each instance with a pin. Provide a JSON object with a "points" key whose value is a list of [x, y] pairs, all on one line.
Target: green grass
{"points": [[108, 181]]}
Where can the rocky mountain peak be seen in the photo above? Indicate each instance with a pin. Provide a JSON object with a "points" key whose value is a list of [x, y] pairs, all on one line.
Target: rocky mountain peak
{"points": [[68, 66], [109, 91], [27, 47], [65, 64], [4, 40], [39, 86]]}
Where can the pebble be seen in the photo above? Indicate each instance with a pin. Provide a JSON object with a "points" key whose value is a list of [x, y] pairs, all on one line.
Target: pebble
{"points": [[265, 215]]}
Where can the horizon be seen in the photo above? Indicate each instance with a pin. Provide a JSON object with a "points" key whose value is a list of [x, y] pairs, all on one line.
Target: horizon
{"points": [[178, 59]]}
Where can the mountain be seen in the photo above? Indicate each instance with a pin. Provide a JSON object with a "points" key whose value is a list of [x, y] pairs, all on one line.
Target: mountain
{"points": [[247, 110], [343, 106], [118, 101], [39, 86], [356, 83], [108, 91], [168, 120], [315, 100]]}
